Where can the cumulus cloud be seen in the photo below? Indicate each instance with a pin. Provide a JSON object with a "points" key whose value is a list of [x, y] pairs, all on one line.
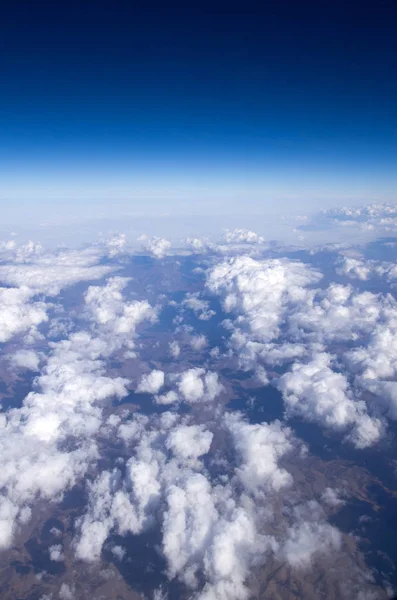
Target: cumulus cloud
{"points": [[49, 443], [260, 448], [361, 269], [174, 349], [32, 272], [282, 318], [198, 305], [117, 319], [66, 592], [198, 342], [332, 497], [261, 292], [212, 483], [375, 365], [56, 553], [309, 537], [197, 385], [18, 313], [156, 246], [242, 236], [376, 217], [315, 392], [116, 244], [151, 383], [25, 359], [209, 532]]}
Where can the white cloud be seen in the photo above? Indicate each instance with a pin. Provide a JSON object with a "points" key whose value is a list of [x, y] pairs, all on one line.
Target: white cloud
{"points": [[168, 398], [56, 553], [151, 383], [198, 342], [197, 385], [25, 359], [189, 441], [317, 393], [156, 246], [116, 318], [18, 313], [174, 349], [49, 443], [66, 592], [260, 448], [308, 539], [332, 497], [205, 528], [243, 236], [116, 244], [199, 306], [261, 292]]}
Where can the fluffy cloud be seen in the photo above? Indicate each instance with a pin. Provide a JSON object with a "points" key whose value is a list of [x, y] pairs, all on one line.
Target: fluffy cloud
{"points": [[18, 313], [261, 292], [355, 268], [281, 318], [175, 349], [151, 383], [156, 246], [51, 273], [315, 392], [31, 272], [49, 443], [56, 553], [260, 448], [199, 306], [309, 537], [242, 236], [198, 342], [209, 531], [25, 359], [377, 217], [115, 317], [197, 385], [375, 365]]}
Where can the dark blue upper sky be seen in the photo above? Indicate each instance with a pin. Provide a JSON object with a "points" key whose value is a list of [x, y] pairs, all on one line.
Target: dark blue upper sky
{"points": [[287, 98]]}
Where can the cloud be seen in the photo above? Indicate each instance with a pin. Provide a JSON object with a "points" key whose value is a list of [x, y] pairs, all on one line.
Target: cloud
{"points": [[213, 533], [18, 313], [363, 270], [116, 244], [116, 318], [40, 274], [199, 306], [332, 497], [379, 217], [174, 349], [197, 385], [198, 342], [66, 592], [261, 292], [317, 393], [156, 246], [308, 539], [151, 383], [375, 365], [242, 236], [56, 553], [49, 443], [260, 448], [206, 529], [189, 441], [25, 359]]}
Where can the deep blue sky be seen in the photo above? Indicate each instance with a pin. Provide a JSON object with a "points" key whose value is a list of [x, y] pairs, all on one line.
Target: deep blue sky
{"points": [[292, 102]]}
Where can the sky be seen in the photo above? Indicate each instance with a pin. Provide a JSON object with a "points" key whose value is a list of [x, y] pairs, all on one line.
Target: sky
{"points": [[196, 110]]}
